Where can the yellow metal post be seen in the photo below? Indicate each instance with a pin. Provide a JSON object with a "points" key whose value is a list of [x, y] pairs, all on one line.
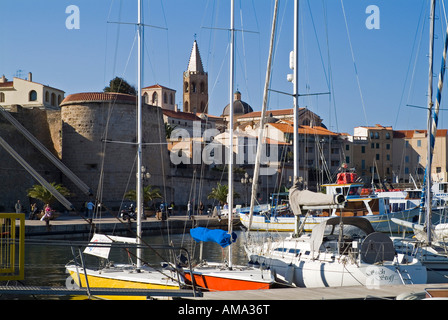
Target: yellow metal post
{"points": [[12, 246]]}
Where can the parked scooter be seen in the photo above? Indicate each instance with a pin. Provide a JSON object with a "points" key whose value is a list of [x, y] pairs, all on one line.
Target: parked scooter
{"points": [[128, 214]]}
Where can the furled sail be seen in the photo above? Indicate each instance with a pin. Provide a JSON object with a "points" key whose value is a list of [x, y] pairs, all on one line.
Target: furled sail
{"points": [[300, 198]]}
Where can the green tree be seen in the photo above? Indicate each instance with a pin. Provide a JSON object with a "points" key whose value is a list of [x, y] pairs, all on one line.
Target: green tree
{"points": [[149, 194], [120, 85], [39, 192], [169, 130], [220, 193]]}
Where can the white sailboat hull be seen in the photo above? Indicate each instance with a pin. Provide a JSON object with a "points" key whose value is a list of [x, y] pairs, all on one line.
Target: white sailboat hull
{"points": [[316, 274], [292, 262]]}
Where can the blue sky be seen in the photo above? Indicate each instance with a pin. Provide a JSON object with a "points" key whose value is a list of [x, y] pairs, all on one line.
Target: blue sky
{"points": [[391, 62]]}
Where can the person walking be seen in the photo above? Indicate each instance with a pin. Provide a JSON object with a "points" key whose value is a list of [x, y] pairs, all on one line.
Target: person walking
{"points": [[90, 207], [201, 208], [189, 209], [18, 207]]}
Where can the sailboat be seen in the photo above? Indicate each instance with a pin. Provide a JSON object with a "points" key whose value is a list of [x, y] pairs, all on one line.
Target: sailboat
{"points": [[127, 275], [350, 253], [378, 210], [429, 243], [219, 276]]}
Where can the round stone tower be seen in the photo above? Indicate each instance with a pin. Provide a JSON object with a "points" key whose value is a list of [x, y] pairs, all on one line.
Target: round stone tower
{"points": [[98, 145]]}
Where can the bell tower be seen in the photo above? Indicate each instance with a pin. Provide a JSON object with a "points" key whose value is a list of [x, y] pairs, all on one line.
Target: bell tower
{"points": [[195, 84]]}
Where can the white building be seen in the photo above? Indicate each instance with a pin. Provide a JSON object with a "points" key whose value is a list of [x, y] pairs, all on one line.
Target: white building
{"points": [[29, 94]]}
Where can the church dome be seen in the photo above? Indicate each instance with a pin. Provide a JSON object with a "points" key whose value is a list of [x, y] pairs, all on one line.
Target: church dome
{"points": [[239, 107]]}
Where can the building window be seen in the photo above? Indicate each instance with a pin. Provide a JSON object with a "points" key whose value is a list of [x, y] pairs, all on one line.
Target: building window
{"points": [[47, 96], [347, 159], [419, 143], [377, 156], [387, 135], [165, 98], [33, 95], [363, 149], [186, 87], [347, 147], [2, 97], [154, 98], [53, 99]]}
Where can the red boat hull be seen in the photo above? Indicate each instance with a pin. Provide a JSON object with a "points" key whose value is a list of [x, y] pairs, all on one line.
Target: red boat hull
{"points": [[214, 283]]}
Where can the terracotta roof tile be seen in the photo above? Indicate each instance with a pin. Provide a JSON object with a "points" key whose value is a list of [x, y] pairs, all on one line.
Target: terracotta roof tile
{"points": [[288, 128], [181, 115], [99, 97], [274, 113]]}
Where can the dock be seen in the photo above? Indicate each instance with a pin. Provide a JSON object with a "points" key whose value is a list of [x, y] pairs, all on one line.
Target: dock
{"points": [[327, 293]]}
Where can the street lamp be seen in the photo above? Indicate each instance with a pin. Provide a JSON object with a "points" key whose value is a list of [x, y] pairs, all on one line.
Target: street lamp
{"points": [[145, 175], [246, 181]]}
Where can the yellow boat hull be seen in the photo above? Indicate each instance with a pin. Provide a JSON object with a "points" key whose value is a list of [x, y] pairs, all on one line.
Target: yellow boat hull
{"points": [[117, 281]]}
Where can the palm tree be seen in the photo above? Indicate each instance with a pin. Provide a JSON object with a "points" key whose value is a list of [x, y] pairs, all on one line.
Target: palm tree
{"points": [[149, 194], [169, 130], [220, 193], [39, 192]]}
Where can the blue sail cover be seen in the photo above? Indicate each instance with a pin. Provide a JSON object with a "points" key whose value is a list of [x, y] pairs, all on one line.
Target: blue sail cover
{"points": [[219, 236]]}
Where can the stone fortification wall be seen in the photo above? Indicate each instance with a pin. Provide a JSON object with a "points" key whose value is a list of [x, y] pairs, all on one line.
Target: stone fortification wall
{"points": [[44, 125], [109, 168]]}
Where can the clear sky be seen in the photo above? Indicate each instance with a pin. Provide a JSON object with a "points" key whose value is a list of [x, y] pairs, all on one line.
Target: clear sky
{"points": [[391, 62]]}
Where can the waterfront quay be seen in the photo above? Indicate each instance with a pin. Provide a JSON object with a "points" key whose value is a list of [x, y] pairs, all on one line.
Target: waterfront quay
{"points": [[70, 226]]}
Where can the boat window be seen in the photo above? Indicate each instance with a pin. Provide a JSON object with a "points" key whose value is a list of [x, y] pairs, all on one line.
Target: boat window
{"points": [[295, 251], [281, 249]]}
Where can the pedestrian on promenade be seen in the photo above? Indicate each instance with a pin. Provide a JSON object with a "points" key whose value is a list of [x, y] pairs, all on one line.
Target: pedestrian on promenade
{"points": [[18, 207], [189, 210], [33, 212], [201, 208], [47, 213], [90, 207]]}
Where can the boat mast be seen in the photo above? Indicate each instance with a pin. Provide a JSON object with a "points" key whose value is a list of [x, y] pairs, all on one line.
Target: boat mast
{"points": [[296, 91], [430, 133], [231, 85], [262, 118], [296, 102], [139, 137]]}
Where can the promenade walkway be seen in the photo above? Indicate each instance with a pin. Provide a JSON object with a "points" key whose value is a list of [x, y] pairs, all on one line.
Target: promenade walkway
{"points": [[68, 226]]}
